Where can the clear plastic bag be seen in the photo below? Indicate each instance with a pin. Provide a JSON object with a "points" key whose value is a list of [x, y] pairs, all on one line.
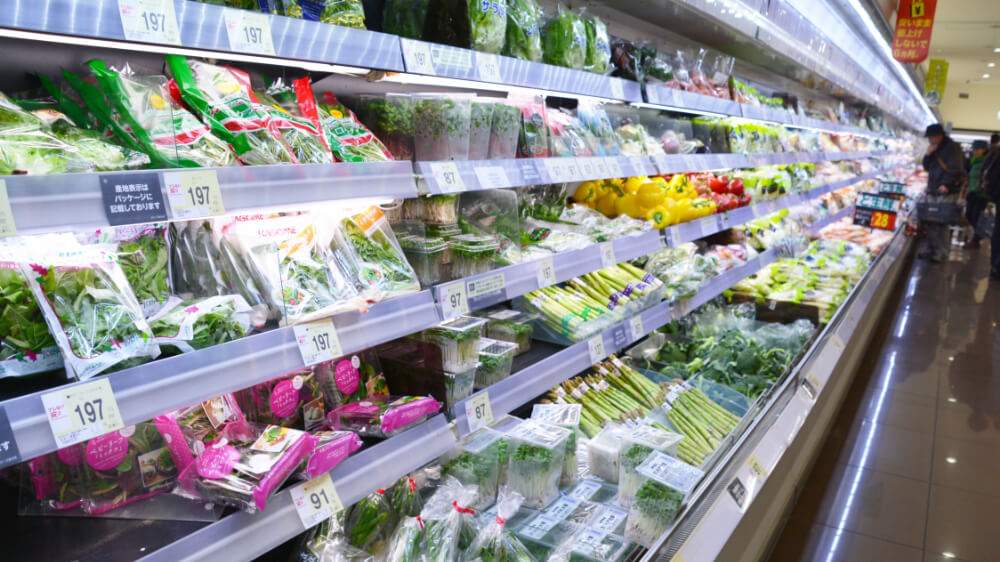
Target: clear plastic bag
{"points": [[302, 136], [57, 479], [450, 525], [328, 543], [598, 58], [366, 248], [470, 24], [534, 135], [143, 252], [406, 544], [369, 523], [524, 38], [199, 323], [26, 344], [494, 541], [565, 40], [346, 13]]}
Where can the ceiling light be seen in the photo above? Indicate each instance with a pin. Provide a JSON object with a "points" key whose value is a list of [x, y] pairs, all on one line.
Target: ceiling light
{"points": [[991, 64], [951, 460], [952, 400], [948, 554], [996, 49], [986, 75]]}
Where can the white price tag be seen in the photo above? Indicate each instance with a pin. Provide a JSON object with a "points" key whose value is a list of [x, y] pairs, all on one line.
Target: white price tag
{"points": [[249, 32], [708, 226], [601, 168], [7, 226], [488, 67], [558, 169], [596, 347], [756, 467], [447, 176], [639, 164], [546, 273], [194, 194], [453, 300], [672, 236], [586, 167], [317, 341], [316, 500], [491, 177], [635, 326], [573, 169], [478, 411], [417, 56], [82, 412], [608, 254], [614, 167], [617, 89], [149, 21], [814, 381]]}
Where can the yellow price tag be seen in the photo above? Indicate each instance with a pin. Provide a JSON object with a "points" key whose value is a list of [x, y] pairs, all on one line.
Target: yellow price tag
{"points": [[756, 467], [7, 227], [596, 347], [478, 411], [316, 500], [194, 194], [317, 341], [453, 300], [81, 412]]}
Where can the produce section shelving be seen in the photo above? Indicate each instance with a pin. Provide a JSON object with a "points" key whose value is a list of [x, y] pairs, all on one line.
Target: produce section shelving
{"points": [[831, 218]]}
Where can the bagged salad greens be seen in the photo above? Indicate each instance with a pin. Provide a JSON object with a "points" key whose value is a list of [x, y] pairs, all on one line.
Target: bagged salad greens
{"points": [[198, 323], [202, 422], [346, 13], [291, 262], [57, 479], [346, 136], [404, 17], [470, 24], [383, 416], [168, 133], [494, 541], [143, 251], [222, 97], [565, 40], [405, 496], [293, 400], [524, 38], [537, 450], [70, 103], [598, 57], [110, 122], [366, 248], [26, 345], [301, 134], [244, 468], [450, 525], [27, 146], [196, 267], [332, 447], [89, 307], [350, 378], [233, 270], [476, 462], [369, 523]]}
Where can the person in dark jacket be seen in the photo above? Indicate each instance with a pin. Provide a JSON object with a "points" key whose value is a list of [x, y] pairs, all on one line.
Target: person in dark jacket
{"points": [[975, 201], [989, 179], [994, 140], [945, 165]]}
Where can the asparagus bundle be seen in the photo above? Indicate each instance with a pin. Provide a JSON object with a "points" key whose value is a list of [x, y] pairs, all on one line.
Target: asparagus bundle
{"points": [[703, 423]]}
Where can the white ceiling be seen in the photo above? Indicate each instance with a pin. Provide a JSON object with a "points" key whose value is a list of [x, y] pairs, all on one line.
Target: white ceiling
{"points": [[965, 34]]}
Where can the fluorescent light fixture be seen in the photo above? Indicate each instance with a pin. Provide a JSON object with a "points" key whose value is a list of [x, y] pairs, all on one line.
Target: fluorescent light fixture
{"points": [[947, 554], [951, 460], [470, 84], [986, 75], [996, 49], [991, 64]]}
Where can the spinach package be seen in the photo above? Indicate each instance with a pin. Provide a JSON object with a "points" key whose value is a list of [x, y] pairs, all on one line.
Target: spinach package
{"points": [[225, 102], [234, 271], [292, 264], [524, 38], [90, 309], [449, 520], [366, 248], [598, 58], [405, 17], [346, 13], [565, 40], [143, 251], [203, 322], [26, 345], [167, 132], [471, 24], [301, 134]]}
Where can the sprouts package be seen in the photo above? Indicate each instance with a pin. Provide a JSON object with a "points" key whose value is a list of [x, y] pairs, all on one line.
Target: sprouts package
{"points": [[441, 126], [194, 324], [458, 340], [565, 40], [291, 260], [505, 128], [480, 122], [469, 24], [636, 446], [524, 38], [369, 522], [89, 308], [365, 246], [604, 449], [383, 416], [143, 252], [511, 326], [390, 117], [292, 400], [26, 345], [450, 521], [476, 462], [571, 510], [244, 468], [493, 213], [542, 534], [332, 447], [566, 416], [666, 482], [537, 451], [494, 541], [593, 545]]}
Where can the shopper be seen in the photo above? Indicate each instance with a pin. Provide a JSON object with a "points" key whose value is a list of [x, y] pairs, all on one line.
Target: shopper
{"points": [[944, 163], [994, 140], [990, 185], [975, 201]]}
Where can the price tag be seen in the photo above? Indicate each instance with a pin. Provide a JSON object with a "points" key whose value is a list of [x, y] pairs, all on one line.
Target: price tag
{"points": [[756, 467], [608, 254], [7, 227], [614, 167], [453, 300], [601, 168], [573, 169], [317, 341], [546, 273], [149, 21], [811, 379], [489, 67], [316, 500], [617, 89], [558, 171], [708, 226], [596, 347], [638, 165], [491, 177], [478, 411], [194, 194], [81, 412], [722, 222], [586, 167], [249, 32], [635, 326], [448, 179], [417, 56]]}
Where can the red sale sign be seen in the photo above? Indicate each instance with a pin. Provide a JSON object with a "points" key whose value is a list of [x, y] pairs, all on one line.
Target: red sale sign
{"points": [[914, 22]]}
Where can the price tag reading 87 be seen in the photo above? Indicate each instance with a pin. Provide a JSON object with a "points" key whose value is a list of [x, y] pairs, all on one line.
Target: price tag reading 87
{"points": [[194, 195], [453, 300], [447, 176], [82, 412], [317, 341], [478, 411], [316, 500]]}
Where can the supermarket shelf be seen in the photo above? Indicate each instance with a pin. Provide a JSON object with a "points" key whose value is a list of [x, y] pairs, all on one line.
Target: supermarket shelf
{"points": [[674, 99], [242, 536], [832, 218], [434, 59], [203, 26], [67, 201], [720, 501], [722, 282]]}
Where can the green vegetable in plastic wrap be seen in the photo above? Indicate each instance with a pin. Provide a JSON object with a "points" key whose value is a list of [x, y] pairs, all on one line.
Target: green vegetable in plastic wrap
{"points": [[565, 40], [405, 17], [22, 327], [598, 45], [524, 38], [470, 24], [346, 13]]}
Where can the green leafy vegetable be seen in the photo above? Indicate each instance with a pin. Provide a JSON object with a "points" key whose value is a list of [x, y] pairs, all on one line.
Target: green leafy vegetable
{"points": [[524, 39], [404, 17], [22, 326], [565, 41]]}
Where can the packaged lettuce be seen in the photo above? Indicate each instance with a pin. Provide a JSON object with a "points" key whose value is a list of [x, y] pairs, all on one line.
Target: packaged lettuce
{"points": [[346, 13], [332, 447], [366, 248], [383, 416], [404, 17], [292, 264], [57, 479], [143, 252], [225, 102], [524, 39], [26, 345], [598, 57], [184, 326], [565, 40], [244, 468], [494, 541], [167, 132], [90, 309], [27, 146], [70, 103], [471, 24], [449, 520], [302, 135]]}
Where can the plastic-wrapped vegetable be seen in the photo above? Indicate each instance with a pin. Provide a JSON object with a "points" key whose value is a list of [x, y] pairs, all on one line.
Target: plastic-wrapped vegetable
{"points": [[636, 446], [666, 482], [302, 136], [224, 100], [604, 450], [369, 521], [347, 13], [524, 38], [90, 309], [405, 497], [350, 378], [406, 544], [332, 447], [365, 246], [27, 146], [111, 123], [471, 24], [566, 416], [565, 40], [536, 461], [200, 323], [441, 126], [479, 130], [143, 253], [390, 117], [57, 479], [494, 541], [203, 421], [598, 44], [476, 461], [449, 521], [383, 416], [327, 542], [405, 17], [505, 128], [534, 138], [26, 345], [283, 400], [594, 118], [347, 137]]}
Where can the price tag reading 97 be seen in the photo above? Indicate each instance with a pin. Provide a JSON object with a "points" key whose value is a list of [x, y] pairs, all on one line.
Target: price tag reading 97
{"points": [[453, 300], [317, 341], [316, 500], [194, 194]]}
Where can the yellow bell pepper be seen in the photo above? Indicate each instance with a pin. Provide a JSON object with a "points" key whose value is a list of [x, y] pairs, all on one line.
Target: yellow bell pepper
{"points": [[628, 204], [586, 193], [659, 216], [606, 205], [650, 195], [633, 184]]}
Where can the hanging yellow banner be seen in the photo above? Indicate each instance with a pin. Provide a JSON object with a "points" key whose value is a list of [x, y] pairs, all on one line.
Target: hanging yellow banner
{"points": [[937, 77]]}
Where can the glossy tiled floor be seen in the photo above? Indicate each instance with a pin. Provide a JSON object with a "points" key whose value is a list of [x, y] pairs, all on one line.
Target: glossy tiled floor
{"points": [[911, 469]]}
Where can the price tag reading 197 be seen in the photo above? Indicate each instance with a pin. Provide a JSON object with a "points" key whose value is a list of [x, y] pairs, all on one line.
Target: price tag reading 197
{"points": [[194, 195], [316, 500], [81, 412], [249, 32], [453, 300], [149, 21], [478, 411], [317, 341], [417, 56], [488, 67]]}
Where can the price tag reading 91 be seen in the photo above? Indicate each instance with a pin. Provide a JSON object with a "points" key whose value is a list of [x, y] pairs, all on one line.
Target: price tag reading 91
{"points": [[249, 32], [453, 300], [317, 341], [478, 411], [316, 500], [81, 412], [194, 195], [149, 21]]}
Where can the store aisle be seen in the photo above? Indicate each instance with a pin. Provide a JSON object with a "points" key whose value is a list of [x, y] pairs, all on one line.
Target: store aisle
{"points": [[909, 471]]}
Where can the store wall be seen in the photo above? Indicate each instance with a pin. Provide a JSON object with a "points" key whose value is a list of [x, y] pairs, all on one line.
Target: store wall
{"points": [[979, 111]]}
